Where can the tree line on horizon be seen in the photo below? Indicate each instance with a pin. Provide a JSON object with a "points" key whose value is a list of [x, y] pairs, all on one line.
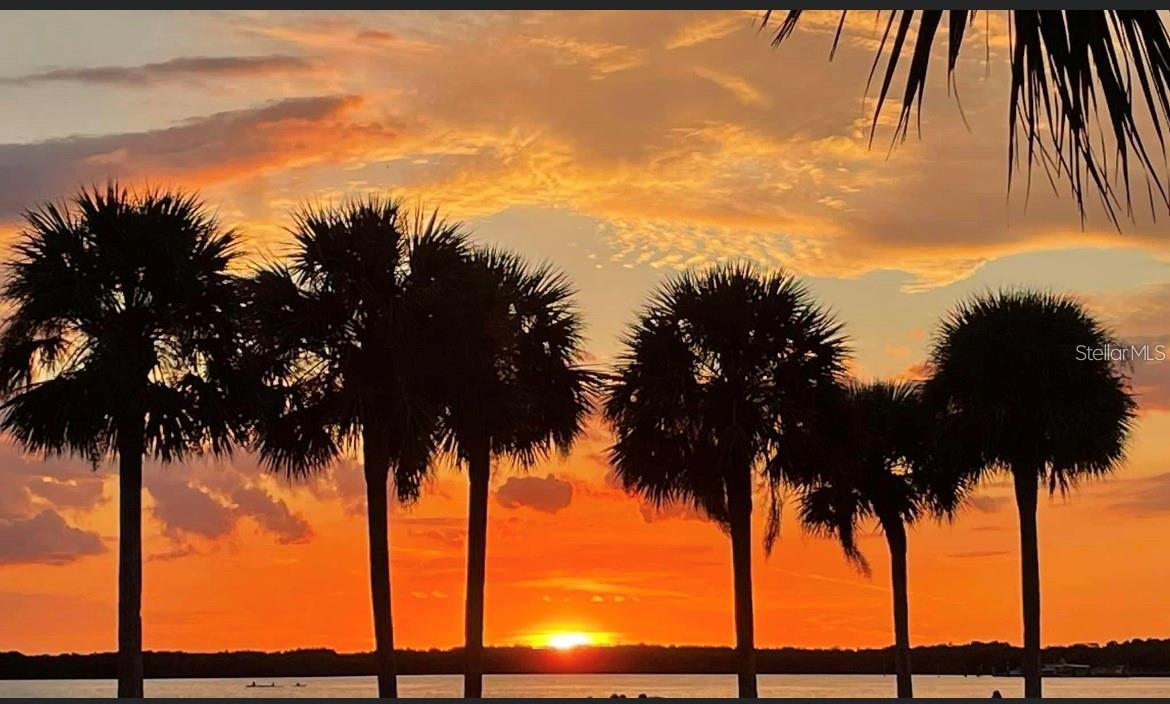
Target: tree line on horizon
{"points": [[134, 332], [1141, 657]]}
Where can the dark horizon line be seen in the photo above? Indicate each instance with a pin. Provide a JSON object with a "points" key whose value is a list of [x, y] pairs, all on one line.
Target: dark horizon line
{"points": [[456, 649], [1138, 657]]}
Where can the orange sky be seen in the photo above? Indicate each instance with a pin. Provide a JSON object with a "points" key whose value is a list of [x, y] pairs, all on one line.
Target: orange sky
{"points": [[622, 147]]}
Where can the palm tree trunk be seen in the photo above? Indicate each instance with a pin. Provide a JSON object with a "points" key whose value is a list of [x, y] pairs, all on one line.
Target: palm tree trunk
{"points": [[377, 470], [130, 561], [896, 538], [739, 497], [479, 471], [1026, 499]]}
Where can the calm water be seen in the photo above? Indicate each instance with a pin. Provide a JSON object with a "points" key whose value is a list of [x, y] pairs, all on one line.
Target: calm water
{"points": [[602, 686]]}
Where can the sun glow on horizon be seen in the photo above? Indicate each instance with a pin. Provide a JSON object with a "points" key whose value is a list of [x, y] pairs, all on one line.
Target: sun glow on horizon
{"points": [[567, 640], [567, 636]]}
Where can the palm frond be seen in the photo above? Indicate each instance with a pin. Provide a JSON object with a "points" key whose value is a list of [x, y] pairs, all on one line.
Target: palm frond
{"points": [[349, 338], [1014, 380], [833, 511], [1065, 67], [125, 300], [870, 456], [517, 383], [719, 366]]}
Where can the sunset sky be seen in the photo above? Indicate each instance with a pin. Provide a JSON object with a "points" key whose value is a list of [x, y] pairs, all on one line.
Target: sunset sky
{"points": [[622, 147]]}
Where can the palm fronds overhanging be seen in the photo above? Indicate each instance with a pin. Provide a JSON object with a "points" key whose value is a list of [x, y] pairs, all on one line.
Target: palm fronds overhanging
{"points": [[1090, 91], [123, 340], [350, 338], [720, 367], [1016, 388]]}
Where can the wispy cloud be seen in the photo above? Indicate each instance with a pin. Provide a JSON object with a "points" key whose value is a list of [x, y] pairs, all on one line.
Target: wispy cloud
{"points": [[741, 88], [708, 29], [282, 134], [1144, 497], [179, 69]]}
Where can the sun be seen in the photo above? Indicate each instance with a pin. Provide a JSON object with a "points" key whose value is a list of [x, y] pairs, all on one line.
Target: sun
{"points": [[567, 640]]}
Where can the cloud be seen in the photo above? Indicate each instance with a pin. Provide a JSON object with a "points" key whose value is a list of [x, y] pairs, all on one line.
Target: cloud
{"points": [[607, 584], [742, 89], [376, 36], [988, 504], [453, 538], [201, 498], [603, 58], [1141, 319], [344, 481], [29, 484], [976, 554], [676, 136], [548, 495], [677, 155], [180, 69], [272, 514], [187, 510], [705, 30], [1142, 498], [45, 539], [208, 499], [80, 494], [438, 531], [176, 552], [14, 499], [282, 134]]}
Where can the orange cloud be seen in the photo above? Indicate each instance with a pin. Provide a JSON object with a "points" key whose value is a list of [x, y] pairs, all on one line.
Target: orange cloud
{"points": [[184, 68], [281, 135]]}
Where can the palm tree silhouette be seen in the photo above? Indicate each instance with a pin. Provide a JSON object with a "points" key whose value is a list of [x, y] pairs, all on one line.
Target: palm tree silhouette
{"points": [[719, 366], [515, 389], [869, 461], [350, 335], [1072, 83], [121, 341], [1016, 386]]}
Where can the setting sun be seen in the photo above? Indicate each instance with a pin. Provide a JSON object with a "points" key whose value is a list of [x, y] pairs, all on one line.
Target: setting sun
{"points": [[569, 640]]}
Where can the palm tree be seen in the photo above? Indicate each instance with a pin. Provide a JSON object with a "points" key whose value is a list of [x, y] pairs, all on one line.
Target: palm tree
{"points": [[120, 341], [349, 335], [1065, 66], [870, 462], [1021, 380], [719, 367], [516, 389]]}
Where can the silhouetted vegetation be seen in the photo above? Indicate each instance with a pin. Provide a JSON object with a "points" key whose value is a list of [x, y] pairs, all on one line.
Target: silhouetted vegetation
{"points": [[515, 388], [1079, 80], [1010, 395], [350, 337], [719, 367], [870, 462], [122, 341], [387, 333], [1137, 657]]}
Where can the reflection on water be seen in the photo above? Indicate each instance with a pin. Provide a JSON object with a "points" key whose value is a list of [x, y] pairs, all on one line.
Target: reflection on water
{"points": [[601, 686]]}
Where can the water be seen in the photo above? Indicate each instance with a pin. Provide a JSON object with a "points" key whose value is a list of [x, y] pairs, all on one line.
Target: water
{"points": [[603, 686]]}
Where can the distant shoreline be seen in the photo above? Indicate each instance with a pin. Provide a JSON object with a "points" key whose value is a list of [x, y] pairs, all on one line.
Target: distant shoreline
{"points": [[1135, 658]]}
